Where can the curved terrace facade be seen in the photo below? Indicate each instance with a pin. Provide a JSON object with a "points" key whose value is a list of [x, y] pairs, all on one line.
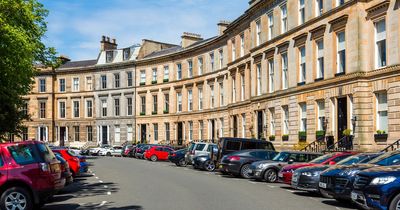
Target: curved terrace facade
{"points": [[289, 71]]}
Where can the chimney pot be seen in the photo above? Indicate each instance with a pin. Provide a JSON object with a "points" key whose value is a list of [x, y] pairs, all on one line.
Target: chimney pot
{"points": [[105, 44], [103, 38], [113, 41], [190, 38], [108, 39]]}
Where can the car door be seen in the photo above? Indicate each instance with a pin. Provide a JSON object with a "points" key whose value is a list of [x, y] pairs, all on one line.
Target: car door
{"points": [[165, 152], [3, 168]]}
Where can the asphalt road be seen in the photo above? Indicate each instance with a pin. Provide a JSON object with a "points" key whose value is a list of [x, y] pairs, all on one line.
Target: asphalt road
{"points": [[123, 183]]}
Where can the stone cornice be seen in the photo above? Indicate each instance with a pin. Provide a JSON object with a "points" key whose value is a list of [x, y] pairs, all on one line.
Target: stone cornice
{"points": [[339, 23], [318, 32], [269, 52], [378, 9], [300, 39]]}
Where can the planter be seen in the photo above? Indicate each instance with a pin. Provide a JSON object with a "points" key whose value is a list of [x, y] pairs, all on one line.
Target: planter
{"points": [[153, 113], [165, 80], [142, 83], [320, 135], [271, 138], [285, 138], [166, 112], [153, 82], [381, 137], [302, 136], [142, 113]]}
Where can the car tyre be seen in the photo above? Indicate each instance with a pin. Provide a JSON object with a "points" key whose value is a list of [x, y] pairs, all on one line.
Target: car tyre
{"points": [[395, 203], [209, 166], [244, 171], [153, 158], [270, 175], [21, 194], [108, 154], [182, 162]]}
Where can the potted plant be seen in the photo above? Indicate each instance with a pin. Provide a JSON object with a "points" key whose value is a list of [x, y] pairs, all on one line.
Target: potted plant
{"points": [[165, 111], [142, 113], [347, 143], [319, 135], [142, 83], [302, 135], [380, 135], [330, 139], [272, 137], [347, 132], [285, 137], [154, 82], [154, 112], [165, 80]]}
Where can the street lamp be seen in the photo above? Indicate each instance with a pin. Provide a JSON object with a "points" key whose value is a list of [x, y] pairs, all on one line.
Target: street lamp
{"points": [[353, 122]]}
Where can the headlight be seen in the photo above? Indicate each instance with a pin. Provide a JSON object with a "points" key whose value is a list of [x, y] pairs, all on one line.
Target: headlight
{"points": [[383, 180], [200, 158], [349, 172], [262, 165], [308, 173]]}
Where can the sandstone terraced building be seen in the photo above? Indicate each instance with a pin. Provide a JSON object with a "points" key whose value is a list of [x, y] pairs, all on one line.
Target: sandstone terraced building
{"points": [[287, 71]]}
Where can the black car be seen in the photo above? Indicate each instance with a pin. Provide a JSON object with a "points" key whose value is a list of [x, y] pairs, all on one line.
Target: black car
{"points": [[308, 178], [338, 182], [268, 169], [377, 188], [178, 157], [203, 162], [228, 145], [238, 163]]}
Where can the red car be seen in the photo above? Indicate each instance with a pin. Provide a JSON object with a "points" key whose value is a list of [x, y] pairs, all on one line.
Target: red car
{"points": [[29, 175], [285, 175], [158, 153], [73, 161]]}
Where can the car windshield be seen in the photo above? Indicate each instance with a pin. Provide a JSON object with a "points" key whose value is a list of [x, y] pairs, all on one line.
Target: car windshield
{"points": [[46, 152], [322, 158], [387, 159], [352, 160], [72, 153], [282, 156]]}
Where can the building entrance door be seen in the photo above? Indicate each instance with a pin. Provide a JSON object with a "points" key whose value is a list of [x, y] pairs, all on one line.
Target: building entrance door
{"points": [[235, 126], [63, 135], [180, 133], [143, 133], [104, 130], [259, 124], [341, 116]]}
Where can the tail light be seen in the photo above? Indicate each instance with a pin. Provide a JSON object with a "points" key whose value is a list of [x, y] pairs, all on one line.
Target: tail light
{"points": [[45, 167], [173, 155], [233, 158], [83, 159]]}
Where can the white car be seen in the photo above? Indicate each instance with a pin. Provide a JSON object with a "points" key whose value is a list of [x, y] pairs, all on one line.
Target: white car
{"points": [[111, 151], [198, 149], [96, 150]]}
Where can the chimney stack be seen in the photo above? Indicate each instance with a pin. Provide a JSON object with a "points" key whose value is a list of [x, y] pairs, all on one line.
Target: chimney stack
{"points": [[190, 38], [105, 43], [64, 59], [222, 25]]}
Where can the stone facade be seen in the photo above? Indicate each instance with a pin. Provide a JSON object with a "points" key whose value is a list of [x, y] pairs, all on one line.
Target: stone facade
{"points": [[282, 71]]}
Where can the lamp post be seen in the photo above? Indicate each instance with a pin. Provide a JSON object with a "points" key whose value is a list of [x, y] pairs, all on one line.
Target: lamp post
{"points": [[350, 140], [325, 126]]}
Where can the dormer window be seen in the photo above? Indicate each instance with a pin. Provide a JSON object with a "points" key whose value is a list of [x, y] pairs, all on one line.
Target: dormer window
{"points": [[109, 56], [127, 54]]}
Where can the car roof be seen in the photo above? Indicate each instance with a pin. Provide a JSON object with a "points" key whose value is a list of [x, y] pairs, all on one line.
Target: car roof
{"points": [[21, 143], [301, 152]]}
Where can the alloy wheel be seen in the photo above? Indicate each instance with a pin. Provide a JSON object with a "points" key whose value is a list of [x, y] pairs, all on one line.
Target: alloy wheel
{"points": [[15, 201], [398, 205], [270, 175], [245, 171], [210, 166]]}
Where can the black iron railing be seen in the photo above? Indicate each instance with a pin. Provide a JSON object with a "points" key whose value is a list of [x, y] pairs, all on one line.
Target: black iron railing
{"points": [[344, 144], [393, 146]]}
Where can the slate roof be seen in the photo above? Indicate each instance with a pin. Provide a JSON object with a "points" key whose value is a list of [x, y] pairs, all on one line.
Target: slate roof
{"points": [[75, 64]]}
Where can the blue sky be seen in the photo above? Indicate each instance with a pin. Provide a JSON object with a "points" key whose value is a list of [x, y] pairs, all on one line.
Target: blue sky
{"points": [[75, 27]]}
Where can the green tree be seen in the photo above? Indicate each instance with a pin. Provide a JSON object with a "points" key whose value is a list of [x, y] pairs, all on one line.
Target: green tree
{"points": [[22, 27]]}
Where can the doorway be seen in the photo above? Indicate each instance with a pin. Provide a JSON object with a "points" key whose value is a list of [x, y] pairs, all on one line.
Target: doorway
{"points": [[104, 130], [260, 124], [143, 133], [180, 133], [212, 130], [341, 116], [63, 135], [235, 126]]}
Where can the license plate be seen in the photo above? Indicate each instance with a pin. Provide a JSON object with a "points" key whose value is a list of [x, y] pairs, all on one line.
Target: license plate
{"points": [[354, 196], [280, 175], [322, 185]]}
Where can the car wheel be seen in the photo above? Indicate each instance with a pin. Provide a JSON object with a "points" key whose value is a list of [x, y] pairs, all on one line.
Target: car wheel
{"points": [[245, 170], [16, 198], [153, 158], [108, 154], [395, 203], [209, 165], [270, 175], [182, 162]]}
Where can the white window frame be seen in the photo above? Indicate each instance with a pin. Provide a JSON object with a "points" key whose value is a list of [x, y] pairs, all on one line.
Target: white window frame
{"points": [[200, 90], [270, 25], [285, 110], [284, 25], [320, 114], [179, 102], [303, 116], [258, 72], [88, 109], [129, 107], [319, 44], [73, 109], [190, 68], [190, 124], [302, 12], [221, 59], [178, 71], [302, 64], [272, 121], [221, 94], [64, 85], [242, 87], [190, 100], [200, 64], [233, 89], [233, 48], [258, 32], [154, 75], [89, 83], [60, 109], [319, 7], [340, 48], [212, 64], [212, 100], [241, 45], [104, 107], [380, 60], [381, 110], [243, 125], [271, 75], [166, 72], [142, 76], [285, 75]]}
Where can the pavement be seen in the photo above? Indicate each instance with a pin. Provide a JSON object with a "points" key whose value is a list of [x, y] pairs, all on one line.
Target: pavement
{"points": [[117, 183]]}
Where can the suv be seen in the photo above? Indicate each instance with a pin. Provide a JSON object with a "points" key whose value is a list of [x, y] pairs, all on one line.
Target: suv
{"points": [[377, 188], [268, 169], [198, 149], [228, 145], [29, 175]]}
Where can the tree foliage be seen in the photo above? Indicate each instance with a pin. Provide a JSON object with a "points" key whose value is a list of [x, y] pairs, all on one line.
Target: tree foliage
{"points": [[22, 27]]}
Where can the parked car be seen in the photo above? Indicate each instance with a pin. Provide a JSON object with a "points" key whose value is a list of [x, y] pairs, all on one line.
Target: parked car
{"points": [[203, 162], [156, 153], [198, 149], [285, 175], [30, 174], [73, 161], [111, 151], [228, 145], [141, 150], [238, 163], [268, 169], [338, 182], [178, 157], [308, 178], [84, 166], [65, 171], [127, 150], [96, 150], [377, 188]]}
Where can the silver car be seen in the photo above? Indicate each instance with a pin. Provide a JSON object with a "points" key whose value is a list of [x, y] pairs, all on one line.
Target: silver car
{"points": [[198, 149]]}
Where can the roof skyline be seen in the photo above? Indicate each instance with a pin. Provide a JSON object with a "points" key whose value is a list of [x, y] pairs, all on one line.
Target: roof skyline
{"points": [[75, 27]]}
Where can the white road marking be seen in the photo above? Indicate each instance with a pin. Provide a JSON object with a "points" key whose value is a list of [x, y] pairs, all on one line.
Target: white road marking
{"points": [[313, 199], [271, 186], [292, 191], [100, 181], [105, 186], [338, 208], [108, 193], [97, 177], [102, 204]]}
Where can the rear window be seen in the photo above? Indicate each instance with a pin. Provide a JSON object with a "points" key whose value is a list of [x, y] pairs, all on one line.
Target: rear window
{"points": [[46, 152], [24, 154], [200, 147], [249, 145], [72, 153], [233, 145]]}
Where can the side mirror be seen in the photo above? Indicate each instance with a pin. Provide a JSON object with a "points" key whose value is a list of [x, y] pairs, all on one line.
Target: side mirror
{"points": [[290, 161], [332, 162]]}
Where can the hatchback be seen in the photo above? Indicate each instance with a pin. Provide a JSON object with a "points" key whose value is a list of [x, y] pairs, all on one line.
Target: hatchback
{"points": [[73, 161], [158, 153]]}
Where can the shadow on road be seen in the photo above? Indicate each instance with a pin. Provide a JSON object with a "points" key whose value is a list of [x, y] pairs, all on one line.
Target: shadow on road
{"points": [[338, 204]]}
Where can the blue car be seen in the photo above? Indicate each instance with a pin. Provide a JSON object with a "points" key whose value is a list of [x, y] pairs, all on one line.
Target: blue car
{"points": [[84, 165], [378, 188], [340, 185], [178, 157]]}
